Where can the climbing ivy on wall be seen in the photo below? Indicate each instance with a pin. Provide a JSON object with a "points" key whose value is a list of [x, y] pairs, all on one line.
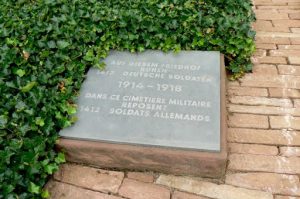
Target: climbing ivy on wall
{"points": [[47, 46]]}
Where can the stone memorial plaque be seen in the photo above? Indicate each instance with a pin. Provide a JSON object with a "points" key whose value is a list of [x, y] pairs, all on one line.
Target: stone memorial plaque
{"points": [[153, 99]]}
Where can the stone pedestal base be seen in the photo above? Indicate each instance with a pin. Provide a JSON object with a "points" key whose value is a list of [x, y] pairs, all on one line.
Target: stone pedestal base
{"points": [[175, 161]]}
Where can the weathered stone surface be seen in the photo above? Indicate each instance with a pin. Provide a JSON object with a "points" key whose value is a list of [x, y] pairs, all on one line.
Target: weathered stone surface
{"points": [[271, 137], [91, 178], [139, 190], [60, 190], [211, 190], [252, 149], [248, 120], [271, 182], [182, 195], [140, 176], [266, 163], [290, 151]]}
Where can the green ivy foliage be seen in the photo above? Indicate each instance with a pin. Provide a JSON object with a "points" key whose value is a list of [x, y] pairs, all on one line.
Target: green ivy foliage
{"points": [[46, 47]]}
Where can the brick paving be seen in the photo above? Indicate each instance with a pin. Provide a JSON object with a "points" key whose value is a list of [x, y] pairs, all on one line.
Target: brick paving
{"points": [[263, 134]]}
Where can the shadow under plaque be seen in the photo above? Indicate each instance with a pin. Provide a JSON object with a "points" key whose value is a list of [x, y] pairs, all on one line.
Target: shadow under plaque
{"points": [[152, 111]]}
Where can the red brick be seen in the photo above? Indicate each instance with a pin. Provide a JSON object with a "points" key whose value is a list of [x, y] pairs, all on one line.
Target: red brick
{"points": [[252, 149], [284, 53], [266, 46], [144, 177], [248, 120], [60, 190], [249, 100], [284, 93], [289, 47], [139, 190], [291, 7], [277, 35], [290, 151], [244, 91], [264, 163], [295, 30], [285, 122], [269, 60], [271, 182], [289, 69], [294, 3], [270, 15], [285, 1], [232, 84], [271, 40], [294, 15], [263, 110], [90, 178], [260, 53], [261, 24], [267, 2], [295, 41], [265, 69], [286, 23], [182, 195], [294, 60], [258, 136], [279, 81], [286, 197], [211, 190], [297, 103], [288, 11]]}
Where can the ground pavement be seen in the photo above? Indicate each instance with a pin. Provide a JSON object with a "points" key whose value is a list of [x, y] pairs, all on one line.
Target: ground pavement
{"points": [[263, 135]]}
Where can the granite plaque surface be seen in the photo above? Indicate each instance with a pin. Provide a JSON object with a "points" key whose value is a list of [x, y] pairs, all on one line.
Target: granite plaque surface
{"points": [[152, 98]]}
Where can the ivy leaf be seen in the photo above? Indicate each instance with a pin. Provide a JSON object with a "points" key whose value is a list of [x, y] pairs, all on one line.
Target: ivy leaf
{"points": [[33, 188], [39, 121], [51, 44], [28, 87], [62, 44], [60, 158], [71, 110], [45, 194], [89, 56], [20, 72], [51, 168], [3, 121]]}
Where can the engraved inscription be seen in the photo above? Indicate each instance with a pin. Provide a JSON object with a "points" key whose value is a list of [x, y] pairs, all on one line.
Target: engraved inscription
{"points": [[152, 98]]}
